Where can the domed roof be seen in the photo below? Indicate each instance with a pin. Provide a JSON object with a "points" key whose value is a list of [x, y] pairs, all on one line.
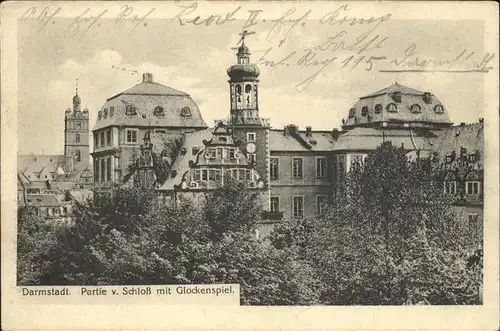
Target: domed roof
{"points": [[243, 72], [150, 104], [397, 104], [76, 99], [243, 49]]}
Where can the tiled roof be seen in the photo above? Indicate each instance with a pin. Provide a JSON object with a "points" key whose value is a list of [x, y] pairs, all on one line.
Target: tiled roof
{"points": [[367, 139], [403, 113], [469, 136], [35, 163], [181, 162], [150, 88], [319, 141], [145, 97], [42, 200]]}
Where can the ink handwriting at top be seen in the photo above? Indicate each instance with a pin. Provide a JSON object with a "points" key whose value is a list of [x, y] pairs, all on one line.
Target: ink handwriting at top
{"points": [[45, 15], [83, 23], [185, 17], [332, 18], [127, 14], [287, 23]]}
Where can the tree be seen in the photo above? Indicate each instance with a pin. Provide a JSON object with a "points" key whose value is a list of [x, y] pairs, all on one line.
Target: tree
{"points": [[130, 237], [390, 237], [35, 238]]}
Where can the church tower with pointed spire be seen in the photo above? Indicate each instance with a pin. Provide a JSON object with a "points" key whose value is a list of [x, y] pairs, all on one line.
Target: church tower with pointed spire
{"points": [[76, 136]]}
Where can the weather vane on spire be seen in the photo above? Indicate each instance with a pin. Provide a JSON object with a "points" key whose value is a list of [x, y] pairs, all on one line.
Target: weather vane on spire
{"points": [[77, 86], [243, 36]]}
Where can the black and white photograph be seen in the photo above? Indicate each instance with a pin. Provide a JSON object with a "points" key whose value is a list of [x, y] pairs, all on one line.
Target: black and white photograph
{"points": [[308, 155]]}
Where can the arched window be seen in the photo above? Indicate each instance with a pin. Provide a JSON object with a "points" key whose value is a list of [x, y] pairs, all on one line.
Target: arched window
{"points": [[78, 155], [378, 108], [364, 111], [392, 108], [77, 138], [130, 110], [415, 108], [438, 109], [159, 111], [352, 112], [186, 112]]}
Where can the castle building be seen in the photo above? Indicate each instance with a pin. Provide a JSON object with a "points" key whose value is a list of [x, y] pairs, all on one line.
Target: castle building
{"points": [[297, 171], [127, 116]]}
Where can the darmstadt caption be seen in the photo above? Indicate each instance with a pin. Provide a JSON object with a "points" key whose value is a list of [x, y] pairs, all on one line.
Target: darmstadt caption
{"points": [[313, 155]]}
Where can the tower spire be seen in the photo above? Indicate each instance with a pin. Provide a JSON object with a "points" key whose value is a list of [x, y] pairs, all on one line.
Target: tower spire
{"points": [[76, 100]]}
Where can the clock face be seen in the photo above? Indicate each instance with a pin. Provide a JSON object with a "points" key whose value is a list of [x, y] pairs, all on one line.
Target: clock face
{"points": [[250, 147]]}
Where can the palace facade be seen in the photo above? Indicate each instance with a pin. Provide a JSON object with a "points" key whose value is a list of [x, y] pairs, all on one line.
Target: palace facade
{"points": [[155, 135]]}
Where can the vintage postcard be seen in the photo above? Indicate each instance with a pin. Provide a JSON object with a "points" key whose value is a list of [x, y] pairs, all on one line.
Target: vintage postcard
{"points": [[250, 165]]}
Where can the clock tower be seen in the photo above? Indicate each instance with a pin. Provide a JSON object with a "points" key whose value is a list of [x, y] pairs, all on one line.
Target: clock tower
{"points": [[76, 136], [251, 131]]}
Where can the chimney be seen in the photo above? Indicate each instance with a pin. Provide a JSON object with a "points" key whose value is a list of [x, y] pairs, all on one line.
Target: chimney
{"points": [[285, 130], [427, 97], [147, 77], [397, 96], [308, 131], [481, 119], [462, 124]]}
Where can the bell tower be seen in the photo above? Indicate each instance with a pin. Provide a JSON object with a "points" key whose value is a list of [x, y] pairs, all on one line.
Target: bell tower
{"points": [[76, 135], [248, 129]]}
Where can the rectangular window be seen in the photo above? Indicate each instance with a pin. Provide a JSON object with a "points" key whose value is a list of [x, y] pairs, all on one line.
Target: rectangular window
{"points": [[231, 153], [252, 158], [213, 153], [108, 137], [197, 174], [131, 136], [96, 170], [102, 138], [217, 175], [224, 153], [96, 139], [234, 174], [320, 168], [275, 204], [298, 207], [248, 175], [473, 218], [219, 153], [321, 201], [274, 168], [204, 174], [250, 136], [473, 188], [211, 174], [297, 168], [450, 187], [103, 169], [109, 168]]}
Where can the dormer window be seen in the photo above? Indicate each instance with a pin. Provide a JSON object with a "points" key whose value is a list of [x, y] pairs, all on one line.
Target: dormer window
{"points": [[378, 108], [186, 112], [364, 111], [222, 139], [111, 111], [427, 97], [352, 112], [159, 111], [415, 108], [130, 110], [105, 113], [196, 150], [396, 96], [439, 109], [99, 115], [392, 108], [183, 151]]}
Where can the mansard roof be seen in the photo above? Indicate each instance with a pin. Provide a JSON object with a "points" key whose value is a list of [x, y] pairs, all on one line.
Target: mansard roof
{"points": [[368, 139], [150, 104], [300, 141], [397, 103]]}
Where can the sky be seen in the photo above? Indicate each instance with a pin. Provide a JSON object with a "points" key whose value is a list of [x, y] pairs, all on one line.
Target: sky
{"points": [[194, 59]]}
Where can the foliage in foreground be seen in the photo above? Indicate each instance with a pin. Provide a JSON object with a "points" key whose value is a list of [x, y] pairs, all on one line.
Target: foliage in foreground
{"points": [[389, 238]]}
